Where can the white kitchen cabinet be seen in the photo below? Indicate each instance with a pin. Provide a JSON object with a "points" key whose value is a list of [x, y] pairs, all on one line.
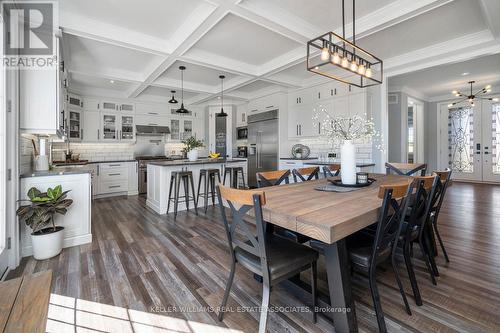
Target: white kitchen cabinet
{"points": [[300, 123], [39, 100], [109, 126], [113, 177], [91, 104], [74, 101], [360, 105], [127, 107], [300, 97], [340, 106], [127, 128], [266, 103], [151, 109], [241, 115], [152, 120], [91, 126], [133, 178], [186, 129], [175, 129], [107, 105]]}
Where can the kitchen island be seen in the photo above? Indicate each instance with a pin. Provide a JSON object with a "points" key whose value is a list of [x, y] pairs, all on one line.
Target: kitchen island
{"points": [[158, 179]]}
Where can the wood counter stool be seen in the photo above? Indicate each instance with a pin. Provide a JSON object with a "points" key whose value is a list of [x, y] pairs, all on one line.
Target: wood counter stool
{"points": [[175, 184], [273, 257], [301, 173], [331, 170], [207, 176], [234, 172], [273, 178], [445, 178], [406, 169], [367, 252]]}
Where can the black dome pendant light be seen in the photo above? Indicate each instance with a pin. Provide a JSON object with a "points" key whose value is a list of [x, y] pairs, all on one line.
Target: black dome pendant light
{"points": [[182, 109], [173, 100], [222, 113]]}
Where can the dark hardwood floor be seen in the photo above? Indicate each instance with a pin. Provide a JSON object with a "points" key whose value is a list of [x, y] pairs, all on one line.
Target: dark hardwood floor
{"points": [[139, 260]]}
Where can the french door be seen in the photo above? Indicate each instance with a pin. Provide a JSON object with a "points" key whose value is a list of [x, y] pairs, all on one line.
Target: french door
{"points": [[474, 142]]}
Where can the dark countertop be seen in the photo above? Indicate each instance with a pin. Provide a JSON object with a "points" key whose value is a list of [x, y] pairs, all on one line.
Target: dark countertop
{"points": [[59, 171], [199, 161], [298, 159], [316, 162], [93, 162]]}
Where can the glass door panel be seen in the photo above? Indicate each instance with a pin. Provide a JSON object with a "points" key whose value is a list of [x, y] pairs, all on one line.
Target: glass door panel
{"points": [[74, 126], [109, 127], [464, 143], [187, 129], [127, 128], [491, 140], [174, 129]]}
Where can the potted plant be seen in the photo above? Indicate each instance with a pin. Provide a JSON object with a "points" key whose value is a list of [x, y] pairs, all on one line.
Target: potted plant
{"points": [[47, 238], [191, 145]]}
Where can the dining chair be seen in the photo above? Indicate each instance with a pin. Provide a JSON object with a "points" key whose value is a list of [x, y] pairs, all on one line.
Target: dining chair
{"points": [[273, 257], [445, 178], [422, 221], [273, 178], [367, 252], [331, 170], [305, 174], [405, 169]]}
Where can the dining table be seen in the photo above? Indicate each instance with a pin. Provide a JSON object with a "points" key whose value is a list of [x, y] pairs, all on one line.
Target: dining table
{"points": [[329, 217]]}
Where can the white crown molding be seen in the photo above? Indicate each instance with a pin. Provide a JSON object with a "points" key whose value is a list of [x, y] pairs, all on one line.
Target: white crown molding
{"points": [[409, 91]]}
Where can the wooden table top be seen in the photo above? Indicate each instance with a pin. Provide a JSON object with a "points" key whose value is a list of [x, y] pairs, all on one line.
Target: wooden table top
{"points": [[325, 216]]}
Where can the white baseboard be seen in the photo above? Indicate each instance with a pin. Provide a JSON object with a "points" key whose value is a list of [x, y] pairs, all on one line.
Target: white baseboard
{"points": [[67, 242]]}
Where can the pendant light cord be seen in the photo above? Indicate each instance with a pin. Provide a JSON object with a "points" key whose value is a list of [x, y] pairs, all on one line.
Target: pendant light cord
{"points": [[182, 85], [343, 24], [222, 95], [353, 21]]}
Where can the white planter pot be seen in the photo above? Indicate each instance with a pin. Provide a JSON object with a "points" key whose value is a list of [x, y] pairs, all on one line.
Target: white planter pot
{"points": [[48, 245], [348, 163], [192, 155]]}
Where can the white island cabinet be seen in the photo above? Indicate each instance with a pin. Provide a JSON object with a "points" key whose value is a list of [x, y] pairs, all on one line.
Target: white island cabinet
{"points": [[159, 181], [76, 222]]}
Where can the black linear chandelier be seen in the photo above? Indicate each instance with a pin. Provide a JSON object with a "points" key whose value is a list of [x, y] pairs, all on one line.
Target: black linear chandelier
{"points": [[221, 113], [471, 97], [173, 100], [343, 60], [182, 109]]}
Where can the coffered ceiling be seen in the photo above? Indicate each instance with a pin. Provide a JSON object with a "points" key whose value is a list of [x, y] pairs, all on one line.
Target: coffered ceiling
{"points": [[259, 45]]}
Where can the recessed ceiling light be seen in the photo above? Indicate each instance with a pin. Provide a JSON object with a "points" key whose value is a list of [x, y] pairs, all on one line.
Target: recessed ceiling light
{"points": [[111, 81], [465, 73]]}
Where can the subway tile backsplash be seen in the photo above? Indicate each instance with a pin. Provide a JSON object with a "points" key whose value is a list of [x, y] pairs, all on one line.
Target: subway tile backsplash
{"points": [[321, 147]]}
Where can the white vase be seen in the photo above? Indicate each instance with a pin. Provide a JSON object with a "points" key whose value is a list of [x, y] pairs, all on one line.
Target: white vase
{"points": [[348, 163], [192, 155], [47, 245]]}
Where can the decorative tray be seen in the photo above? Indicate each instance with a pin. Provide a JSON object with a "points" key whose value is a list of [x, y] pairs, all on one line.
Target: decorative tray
{"points": [[338, 182]]}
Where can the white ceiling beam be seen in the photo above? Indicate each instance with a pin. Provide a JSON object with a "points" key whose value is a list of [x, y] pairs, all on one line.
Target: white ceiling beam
{"points": [[454, 50], [80, 26], [490, 10], [207, 24], [108, 74]]}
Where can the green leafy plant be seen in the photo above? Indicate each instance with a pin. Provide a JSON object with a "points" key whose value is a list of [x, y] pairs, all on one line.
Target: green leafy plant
{"points": [[191, 143], [43, 206]]}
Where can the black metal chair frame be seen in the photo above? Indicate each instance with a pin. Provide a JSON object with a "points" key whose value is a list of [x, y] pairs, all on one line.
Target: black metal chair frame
{"points": [[389, 167], [328, 173], [175, 184], [313, 175], [436, 209], [256, 245], [263, 182], [233, 176], [208, 176]]}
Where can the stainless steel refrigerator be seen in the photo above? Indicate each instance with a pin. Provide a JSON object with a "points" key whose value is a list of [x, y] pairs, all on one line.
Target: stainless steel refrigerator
{"points": [[263, 144]]}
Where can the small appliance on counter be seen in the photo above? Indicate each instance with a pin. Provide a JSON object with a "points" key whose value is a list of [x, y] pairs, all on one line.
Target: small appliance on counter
{"points": [[41, 160], [243, 151], [300, 151], [242, 133]]}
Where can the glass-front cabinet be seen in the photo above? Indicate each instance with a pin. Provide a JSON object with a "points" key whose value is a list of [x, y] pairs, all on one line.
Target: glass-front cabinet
{"points": [[75, 125], [109, 127], [127, 128], [175, 129], [187, 129]]}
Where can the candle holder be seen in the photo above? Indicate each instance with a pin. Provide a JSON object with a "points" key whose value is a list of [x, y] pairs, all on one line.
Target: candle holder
{"points": [[362, 177]]}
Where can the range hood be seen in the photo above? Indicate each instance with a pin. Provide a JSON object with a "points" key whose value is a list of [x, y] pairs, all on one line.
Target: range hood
{"points": [[150, 130]]}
